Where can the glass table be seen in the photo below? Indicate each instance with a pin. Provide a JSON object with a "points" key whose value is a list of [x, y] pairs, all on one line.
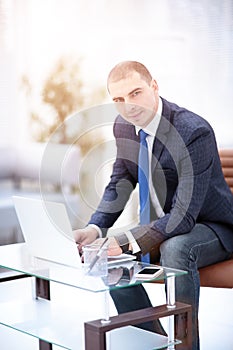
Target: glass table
{"points": [[18, 262]]}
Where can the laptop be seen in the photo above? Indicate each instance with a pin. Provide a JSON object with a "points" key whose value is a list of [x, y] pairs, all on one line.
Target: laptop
{"points": [[48, 233]]}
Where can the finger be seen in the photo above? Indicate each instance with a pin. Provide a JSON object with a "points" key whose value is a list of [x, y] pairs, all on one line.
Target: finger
{"points": [[114, 250], [79, 246]]}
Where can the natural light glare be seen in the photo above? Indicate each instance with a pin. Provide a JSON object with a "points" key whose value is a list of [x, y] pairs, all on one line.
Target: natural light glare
{"points": [[188, 48]]}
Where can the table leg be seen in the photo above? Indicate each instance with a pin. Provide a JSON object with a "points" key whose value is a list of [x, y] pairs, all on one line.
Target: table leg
{"points": [[42, 290], [171, 332], [171, 304], [106, 318], [95, 330], [171, 295], [43, 345]]}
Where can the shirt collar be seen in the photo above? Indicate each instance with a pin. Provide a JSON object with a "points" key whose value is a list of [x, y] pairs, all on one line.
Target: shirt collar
{"points": [[152, 127]]}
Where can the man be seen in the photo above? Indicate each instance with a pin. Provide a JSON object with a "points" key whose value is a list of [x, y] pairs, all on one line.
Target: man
{"points": [[191, 206]]}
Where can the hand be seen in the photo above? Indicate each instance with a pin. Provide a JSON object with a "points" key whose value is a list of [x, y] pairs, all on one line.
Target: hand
{"points": [[85, 236], [113, 247]]}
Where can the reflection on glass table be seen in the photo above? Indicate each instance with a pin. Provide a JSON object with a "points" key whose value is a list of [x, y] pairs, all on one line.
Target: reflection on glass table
{"points": [[15, 257]]}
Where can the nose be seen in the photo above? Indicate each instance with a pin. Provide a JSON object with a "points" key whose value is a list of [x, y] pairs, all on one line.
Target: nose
{"points": [[129, 107]]}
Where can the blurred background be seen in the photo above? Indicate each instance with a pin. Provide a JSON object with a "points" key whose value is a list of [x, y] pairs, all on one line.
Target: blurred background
{"points": [[186, 44], [55, 56]]}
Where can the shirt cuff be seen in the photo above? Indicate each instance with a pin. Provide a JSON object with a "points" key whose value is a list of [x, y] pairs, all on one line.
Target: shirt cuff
{"points": [[132, 242], [97, 229], [123, 242]]}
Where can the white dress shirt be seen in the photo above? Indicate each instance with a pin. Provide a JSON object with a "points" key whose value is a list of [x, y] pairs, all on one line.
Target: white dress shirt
{"points": [[151, 130]]}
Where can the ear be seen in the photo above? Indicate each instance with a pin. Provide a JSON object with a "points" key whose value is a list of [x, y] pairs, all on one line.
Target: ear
{"points": [[154, 85]]}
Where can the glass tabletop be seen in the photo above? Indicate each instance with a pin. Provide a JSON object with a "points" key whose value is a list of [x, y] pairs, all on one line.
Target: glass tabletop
{"points": [[17, 258]]}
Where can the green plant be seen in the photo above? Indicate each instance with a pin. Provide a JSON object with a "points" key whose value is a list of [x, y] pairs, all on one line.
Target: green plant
{"points": [[63, 92]]}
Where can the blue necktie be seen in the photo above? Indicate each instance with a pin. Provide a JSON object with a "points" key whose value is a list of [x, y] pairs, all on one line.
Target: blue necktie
{"points": [[143, 178]]}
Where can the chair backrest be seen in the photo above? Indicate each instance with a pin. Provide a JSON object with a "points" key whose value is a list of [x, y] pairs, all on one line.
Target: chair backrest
{"points": [[226, 157], [220, 275]]}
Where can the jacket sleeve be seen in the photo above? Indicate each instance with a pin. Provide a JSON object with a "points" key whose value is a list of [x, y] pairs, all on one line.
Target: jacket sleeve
{"points": [[120, 186], [114, 199]]}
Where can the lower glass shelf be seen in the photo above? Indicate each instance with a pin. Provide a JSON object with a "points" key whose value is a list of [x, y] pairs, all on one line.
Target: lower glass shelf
{"points": [[137, 339], [39, 318], [61, 325], [61, 320]]}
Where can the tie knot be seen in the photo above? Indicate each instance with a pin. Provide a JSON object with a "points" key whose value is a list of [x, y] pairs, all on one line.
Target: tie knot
{"points": [[143, 135]]}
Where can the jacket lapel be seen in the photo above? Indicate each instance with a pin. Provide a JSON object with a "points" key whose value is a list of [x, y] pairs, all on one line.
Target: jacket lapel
{"points": [[161, 134]]}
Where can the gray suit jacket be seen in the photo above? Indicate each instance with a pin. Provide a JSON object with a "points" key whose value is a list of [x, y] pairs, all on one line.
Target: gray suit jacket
{"points": [[186, 174]]}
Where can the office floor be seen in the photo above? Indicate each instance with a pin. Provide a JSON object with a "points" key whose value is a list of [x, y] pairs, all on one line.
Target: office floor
{"points": [[216, 316]]}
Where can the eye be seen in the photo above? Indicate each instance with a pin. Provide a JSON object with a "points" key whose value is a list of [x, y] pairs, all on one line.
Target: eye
{"points": [[117, 100], [136, 93]]}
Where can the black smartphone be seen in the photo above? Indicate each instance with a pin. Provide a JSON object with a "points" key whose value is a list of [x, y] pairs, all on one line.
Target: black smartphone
{"points": [[149, 272]]}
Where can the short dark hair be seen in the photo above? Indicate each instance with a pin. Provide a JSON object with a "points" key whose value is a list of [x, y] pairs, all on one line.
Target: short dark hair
{"points": [[125, 68]]}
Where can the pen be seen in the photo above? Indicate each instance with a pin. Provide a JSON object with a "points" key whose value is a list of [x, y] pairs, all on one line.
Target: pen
{"points": [[98, 255]]}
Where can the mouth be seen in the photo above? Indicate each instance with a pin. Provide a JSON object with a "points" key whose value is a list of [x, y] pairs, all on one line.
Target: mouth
{"points": [[135, 116]]}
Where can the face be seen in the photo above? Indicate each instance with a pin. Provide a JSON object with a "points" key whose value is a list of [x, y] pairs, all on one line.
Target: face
{"points": [[136, 101]]}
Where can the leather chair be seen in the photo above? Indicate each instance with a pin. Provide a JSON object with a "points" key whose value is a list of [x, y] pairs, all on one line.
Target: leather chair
{"points": [[220, 275]]}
